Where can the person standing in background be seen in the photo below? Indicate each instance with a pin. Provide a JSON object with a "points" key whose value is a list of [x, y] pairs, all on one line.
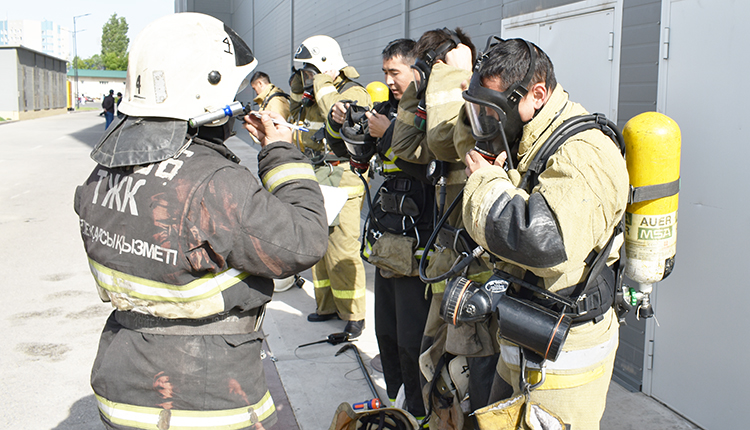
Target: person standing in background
{"points": [[108, 104]]}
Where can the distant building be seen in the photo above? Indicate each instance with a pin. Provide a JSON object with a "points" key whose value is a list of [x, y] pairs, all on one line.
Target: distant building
{"points": [[43, 36], [34, 84], [56, 40], [97, 83]]}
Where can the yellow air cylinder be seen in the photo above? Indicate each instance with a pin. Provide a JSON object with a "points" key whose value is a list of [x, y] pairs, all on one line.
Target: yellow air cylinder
{"points": [[653, 144], [379, 92]]}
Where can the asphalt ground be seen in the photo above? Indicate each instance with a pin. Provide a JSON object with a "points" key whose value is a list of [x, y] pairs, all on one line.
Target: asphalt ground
{"points": [[51, 315]]}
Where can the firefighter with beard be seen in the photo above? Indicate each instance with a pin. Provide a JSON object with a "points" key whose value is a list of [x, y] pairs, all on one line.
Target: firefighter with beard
{"points": [[184, 242], [322, 79], [549, 229]]}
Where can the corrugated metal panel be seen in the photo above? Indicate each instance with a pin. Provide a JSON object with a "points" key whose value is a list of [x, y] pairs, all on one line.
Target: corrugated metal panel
{"points": [[273, 53], [220, 9], [639, 73], [520, 7], [478, 18], [628, 370], [242, 20], [639, 58], [361, 28]]}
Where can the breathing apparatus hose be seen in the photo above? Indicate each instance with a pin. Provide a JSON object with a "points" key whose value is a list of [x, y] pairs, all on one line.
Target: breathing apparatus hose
{"points": [[461, 265]]}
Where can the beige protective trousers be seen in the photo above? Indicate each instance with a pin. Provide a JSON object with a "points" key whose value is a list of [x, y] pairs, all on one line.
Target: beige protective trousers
{"points": [[339, 278]]}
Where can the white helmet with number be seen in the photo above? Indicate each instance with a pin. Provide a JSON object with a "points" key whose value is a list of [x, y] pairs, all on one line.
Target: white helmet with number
{"points": [[322, 52], [183, 65]]}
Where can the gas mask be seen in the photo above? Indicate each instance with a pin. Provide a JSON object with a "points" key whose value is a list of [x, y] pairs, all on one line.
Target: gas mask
{"points": [[355, 132], [494, 117], [307, 76]]}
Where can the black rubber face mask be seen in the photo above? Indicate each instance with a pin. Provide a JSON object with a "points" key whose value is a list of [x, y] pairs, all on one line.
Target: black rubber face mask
{"points": [[494, 117]]}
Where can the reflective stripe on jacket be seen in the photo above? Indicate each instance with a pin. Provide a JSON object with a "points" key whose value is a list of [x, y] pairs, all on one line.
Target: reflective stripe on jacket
{"points": [[142, 417]]}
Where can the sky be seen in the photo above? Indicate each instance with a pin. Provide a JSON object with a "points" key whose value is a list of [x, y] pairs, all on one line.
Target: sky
{"points": [[137, 13]]}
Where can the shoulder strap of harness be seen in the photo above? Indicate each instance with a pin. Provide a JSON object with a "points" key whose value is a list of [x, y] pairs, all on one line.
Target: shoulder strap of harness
{"points": [[592, 296], [565, 131], [270, 97], [345, 84]]}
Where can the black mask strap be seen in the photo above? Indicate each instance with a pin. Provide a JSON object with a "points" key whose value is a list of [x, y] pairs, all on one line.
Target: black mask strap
{"points": [[424, 64]]}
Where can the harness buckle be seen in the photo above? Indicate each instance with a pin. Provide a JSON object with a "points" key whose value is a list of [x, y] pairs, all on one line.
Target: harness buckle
{"points": [[525, 386]]}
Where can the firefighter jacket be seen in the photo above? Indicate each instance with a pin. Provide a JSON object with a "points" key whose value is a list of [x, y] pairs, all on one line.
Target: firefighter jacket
{"points": [[197, 235], [580, 198], [327, 92], [444, 103], [184, 249], [274, 99], [409, 141]]}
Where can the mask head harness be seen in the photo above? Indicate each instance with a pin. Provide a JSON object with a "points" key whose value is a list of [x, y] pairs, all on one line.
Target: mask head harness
{"points": [[494, 115], [423, 65]]}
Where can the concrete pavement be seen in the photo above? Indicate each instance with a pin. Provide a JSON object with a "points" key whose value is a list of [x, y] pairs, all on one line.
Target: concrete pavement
{"points": [[51, 315]]}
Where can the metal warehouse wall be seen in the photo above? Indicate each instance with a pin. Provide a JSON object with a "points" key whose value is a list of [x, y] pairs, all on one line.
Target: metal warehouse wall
{"points": [[639, 74], [639, 58]]}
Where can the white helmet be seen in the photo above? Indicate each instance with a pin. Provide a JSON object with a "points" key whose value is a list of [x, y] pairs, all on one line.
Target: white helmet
{"points": [[183, 65], [322, 52]]}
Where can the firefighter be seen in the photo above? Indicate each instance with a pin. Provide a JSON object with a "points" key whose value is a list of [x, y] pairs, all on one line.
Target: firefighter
{"points": [[397, 228], [424, 133], [183, 241], [269, 96], [323, 78], [545, 232]]}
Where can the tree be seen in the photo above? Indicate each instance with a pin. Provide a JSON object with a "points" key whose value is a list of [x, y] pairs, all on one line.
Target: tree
{"points": [[93, 63], [115, 43]]}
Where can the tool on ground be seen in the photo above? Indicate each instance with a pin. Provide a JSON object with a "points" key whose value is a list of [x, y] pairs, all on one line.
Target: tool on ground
{"points": [[362, 366], [367, 405], [333, 339]]}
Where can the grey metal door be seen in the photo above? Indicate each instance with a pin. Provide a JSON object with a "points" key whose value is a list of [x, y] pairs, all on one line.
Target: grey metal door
{"points": [[701, 344], [580, 41]]}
